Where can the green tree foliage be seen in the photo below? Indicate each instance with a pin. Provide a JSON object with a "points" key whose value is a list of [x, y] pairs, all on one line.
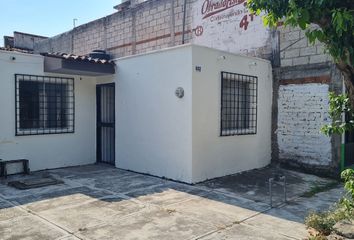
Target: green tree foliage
{"points": [[348, 177], [335, 19], [341, 114]]}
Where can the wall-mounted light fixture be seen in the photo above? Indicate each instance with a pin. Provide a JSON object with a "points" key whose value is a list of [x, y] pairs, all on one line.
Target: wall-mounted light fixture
{"points": [[179, 92], [222, 57]]}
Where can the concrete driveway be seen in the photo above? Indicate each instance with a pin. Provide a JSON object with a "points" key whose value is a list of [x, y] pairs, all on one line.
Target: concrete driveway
{"points": [[101, 202]]}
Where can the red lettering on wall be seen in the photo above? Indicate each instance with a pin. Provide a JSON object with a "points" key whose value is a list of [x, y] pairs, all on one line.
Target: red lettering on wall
{"points": [[244, 21], [210, 8]]}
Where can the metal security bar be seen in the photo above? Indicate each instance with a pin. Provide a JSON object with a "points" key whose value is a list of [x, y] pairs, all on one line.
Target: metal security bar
{"points": [[106, 123], [238, 104], [44, 105]]}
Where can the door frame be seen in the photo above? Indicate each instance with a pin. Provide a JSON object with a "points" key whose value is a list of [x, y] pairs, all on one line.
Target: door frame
{"points": [[347, 151], [99, 126]]}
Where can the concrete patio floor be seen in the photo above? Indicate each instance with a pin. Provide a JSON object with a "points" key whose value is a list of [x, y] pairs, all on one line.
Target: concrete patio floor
{"points": [[101, 202]]}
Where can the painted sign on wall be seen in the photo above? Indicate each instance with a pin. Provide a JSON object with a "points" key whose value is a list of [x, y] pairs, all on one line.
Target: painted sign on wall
{"points": [[228, 25]]}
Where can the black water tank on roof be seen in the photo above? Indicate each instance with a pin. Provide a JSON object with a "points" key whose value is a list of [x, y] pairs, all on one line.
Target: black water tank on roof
{"points": [[101, 54]]}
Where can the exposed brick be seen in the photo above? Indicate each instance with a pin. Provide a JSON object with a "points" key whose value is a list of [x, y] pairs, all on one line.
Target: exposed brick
{"points": [[325, 79], [302, 111]]}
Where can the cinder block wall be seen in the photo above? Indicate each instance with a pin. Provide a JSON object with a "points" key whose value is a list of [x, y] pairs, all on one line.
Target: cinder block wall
{"points": [[296, 50], [148, 26], [157, 24]]}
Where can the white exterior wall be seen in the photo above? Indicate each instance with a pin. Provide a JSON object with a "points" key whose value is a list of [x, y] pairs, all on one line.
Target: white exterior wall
{"points": [[153, 126], [230, 27], [53, 150], [160, 134], [215, 156], [156, 132], [303, 110]]}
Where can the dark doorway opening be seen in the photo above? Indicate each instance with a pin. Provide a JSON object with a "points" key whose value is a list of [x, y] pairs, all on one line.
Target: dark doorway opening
{"points": [[349, 148], [105, 94]]}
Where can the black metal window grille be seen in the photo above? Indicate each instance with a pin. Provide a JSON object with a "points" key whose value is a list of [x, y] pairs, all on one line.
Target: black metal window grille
{"points": [[44, 105], [238, 104]]}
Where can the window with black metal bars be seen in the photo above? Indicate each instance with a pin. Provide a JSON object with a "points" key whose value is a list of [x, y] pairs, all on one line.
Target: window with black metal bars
{"points": [[238, 104], [44, 105]]}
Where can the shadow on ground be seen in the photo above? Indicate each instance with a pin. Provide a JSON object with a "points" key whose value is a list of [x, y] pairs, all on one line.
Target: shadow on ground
{"points": [[101, 202]]}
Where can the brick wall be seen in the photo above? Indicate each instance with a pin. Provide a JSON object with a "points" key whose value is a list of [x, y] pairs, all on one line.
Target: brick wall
{"points": [[148, 26], [303, 109], [296, 50], [157, 24], [300, 109]]}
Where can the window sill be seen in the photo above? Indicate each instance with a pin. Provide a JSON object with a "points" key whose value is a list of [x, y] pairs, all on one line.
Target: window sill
{"points": [[238, 132], [43, 131]]}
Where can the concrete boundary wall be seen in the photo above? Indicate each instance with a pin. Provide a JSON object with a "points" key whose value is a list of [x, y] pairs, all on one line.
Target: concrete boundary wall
{"points": [[26, 40], [148, 26], [158, 24]]}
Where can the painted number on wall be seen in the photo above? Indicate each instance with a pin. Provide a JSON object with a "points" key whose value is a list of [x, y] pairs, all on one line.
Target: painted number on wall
{"points": [[246, 20], [199, 31]]}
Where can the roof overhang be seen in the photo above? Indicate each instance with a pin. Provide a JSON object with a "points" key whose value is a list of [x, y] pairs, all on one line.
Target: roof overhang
{"points": [[74, 67]]}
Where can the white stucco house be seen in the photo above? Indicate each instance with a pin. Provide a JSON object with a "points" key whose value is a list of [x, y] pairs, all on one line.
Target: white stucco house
{"points": [[188, 113]]}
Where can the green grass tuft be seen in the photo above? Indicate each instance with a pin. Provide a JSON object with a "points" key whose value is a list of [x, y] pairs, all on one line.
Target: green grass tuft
{"points": [[319, 188]]}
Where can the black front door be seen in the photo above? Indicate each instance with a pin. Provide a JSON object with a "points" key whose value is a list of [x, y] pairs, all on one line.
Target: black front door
{"points": [[106, 123]]}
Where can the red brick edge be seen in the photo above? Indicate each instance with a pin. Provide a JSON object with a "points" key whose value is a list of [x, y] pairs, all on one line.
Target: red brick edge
{"points": [[326, 79]]}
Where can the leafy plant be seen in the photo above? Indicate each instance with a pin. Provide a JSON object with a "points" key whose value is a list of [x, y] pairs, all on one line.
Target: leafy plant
{"points": [[344, 209], [348, 202], [339, 108], [325, 221], [322, 222]]}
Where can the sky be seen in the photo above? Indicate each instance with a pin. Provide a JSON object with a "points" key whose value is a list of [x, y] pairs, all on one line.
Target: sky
{"points": [[50, 17]]}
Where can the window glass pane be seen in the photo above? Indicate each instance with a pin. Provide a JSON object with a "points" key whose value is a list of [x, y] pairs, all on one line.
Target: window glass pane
{"points": [[29, 104]]}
